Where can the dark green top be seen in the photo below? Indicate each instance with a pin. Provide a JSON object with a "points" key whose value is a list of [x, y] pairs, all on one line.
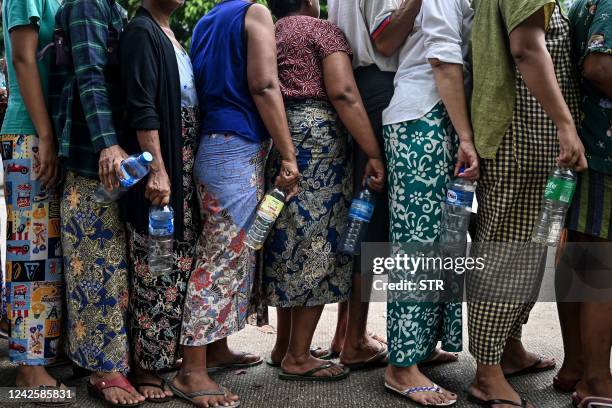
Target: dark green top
{"points": [[88, 97], [592, 32]]}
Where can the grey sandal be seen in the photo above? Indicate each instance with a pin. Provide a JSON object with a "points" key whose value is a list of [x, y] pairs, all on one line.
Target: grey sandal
{"points": [[190, 397]]}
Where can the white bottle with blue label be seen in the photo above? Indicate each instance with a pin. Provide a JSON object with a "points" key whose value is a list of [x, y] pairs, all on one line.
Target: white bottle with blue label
{"points": [[161, 240], [456, 214], [360, 215]]}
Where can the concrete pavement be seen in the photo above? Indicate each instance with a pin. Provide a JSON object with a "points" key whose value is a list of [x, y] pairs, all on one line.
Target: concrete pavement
{"points": [[259, 387]]}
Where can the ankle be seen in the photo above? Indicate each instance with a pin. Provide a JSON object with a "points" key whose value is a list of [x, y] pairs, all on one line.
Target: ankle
{"points": [[296, 358]]}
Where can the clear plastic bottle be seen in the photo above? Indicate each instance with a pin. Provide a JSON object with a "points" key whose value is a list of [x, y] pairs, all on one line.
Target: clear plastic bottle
{"points": [[360, 215], [267, 212], [161, 240], [557, 199], [456, 213], [134, 169]]}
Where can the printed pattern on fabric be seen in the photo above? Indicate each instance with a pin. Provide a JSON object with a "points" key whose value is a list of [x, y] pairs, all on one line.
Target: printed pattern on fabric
{"points": [[157, 302], [303, 43], [96, 272], [509, 194], [34, 273], [421, 159], [302, 267], [229, 174]]}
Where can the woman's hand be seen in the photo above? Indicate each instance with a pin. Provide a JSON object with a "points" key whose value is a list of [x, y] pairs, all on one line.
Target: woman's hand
{"points": [[288, 178], [375, 171], [572, 150], [109, 166], [468, 159], [46, 166], [158, 188]]}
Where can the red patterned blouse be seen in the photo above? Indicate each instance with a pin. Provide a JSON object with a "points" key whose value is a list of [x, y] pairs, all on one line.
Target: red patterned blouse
{"points": [[303, 43]]}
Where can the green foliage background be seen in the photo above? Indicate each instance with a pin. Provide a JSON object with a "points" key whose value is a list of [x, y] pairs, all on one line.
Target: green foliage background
{"points": [[185, 19]]}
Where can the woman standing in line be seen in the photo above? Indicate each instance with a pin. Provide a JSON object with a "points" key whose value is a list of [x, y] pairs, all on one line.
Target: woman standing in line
{"points": [[162, 108], [426, 124], [234, 60], [34, 267], [303, 271]]}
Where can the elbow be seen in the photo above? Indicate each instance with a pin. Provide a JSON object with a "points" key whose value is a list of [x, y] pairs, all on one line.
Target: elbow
{"points": [[22, 60], [526, 51], [595, 73], [384, 48], [262, 87], [345, 95]]}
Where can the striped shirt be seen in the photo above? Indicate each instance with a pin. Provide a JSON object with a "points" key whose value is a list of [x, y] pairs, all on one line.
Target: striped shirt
{"points": [[87, 98]]}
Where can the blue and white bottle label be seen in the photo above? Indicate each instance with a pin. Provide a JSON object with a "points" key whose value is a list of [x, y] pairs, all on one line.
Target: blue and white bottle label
{"points": [[460, 198], [361, 210]]}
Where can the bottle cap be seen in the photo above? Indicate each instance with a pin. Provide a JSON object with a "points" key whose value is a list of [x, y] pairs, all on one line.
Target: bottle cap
{"points": [[146, 158], [461, 170]]}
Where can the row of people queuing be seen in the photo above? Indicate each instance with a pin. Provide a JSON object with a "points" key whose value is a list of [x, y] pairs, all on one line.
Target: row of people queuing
{"points": [[424, 88]]}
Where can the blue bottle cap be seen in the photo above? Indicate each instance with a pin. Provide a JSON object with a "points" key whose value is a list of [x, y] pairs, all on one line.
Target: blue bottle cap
{"points": [[461, 170], [146, 158]]}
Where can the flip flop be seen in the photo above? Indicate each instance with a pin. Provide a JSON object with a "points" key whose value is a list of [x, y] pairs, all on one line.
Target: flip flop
{"points": [[58, 384], [378, 360], [310, 375], [235, 366], [409, 391], [328, 355], [95, 390], [162, 386], [491, 403], [591, 402], [190, 397], [565, 386], [272, 363], [532, 369]]}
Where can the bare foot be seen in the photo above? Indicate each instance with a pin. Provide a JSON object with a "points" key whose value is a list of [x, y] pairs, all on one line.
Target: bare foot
{"points": [[35, 377], [570, 372], [221, 355], [198, 381], [404, 378], [361, 350], [595, 388], [303, 364], [378, 337], [489, 387], [142, 377], [116, 395], [516, 358], [440, 356]]}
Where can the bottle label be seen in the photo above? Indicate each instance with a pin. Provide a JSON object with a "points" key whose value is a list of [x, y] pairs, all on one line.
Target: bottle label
{"points": [[270, 208], [560, 190], [460, 198], [361, 210]]}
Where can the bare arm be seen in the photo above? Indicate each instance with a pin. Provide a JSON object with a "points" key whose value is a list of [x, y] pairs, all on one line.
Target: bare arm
{"points": [[343, 94], [528, 47], [158, 185], [597, 69], [450, 83], [24, 42], [262, 73], [402, 24]]}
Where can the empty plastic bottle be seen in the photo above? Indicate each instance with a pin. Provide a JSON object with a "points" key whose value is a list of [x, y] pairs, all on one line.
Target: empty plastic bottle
{"points": [[360, 215], [557, 199], [161, 240], [456, 213], [267, 212], [133, 169]]}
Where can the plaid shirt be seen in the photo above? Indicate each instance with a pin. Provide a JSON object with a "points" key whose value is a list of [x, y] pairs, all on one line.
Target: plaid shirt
{"points": [[86, 97]]}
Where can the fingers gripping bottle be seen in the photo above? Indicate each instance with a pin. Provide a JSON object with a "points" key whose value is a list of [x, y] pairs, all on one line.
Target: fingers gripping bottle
{"points": [[267, 212], [133, 169]]}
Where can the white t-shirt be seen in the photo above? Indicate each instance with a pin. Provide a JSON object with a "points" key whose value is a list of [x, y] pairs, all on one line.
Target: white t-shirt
{"points": [[441, 30], [359, 19]]}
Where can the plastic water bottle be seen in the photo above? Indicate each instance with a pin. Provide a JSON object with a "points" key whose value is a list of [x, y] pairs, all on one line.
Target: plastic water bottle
{"points": [[360, 215], [456, 214], [161, 240], [267, 212], [133, 169], [558, 197]]}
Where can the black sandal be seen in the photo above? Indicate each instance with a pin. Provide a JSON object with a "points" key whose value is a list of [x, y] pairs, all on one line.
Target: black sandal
{"points": [[58, 384], [163, 385], [310, 375], [493, 402]]}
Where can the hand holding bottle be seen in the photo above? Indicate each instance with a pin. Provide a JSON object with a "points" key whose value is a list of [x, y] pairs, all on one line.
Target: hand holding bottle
{"points": [[375, 172]]}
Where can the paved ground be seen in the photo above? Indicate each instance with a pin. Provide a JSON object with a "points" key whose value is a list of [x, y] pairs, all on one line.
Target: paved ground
{"points": [[260, 388]]}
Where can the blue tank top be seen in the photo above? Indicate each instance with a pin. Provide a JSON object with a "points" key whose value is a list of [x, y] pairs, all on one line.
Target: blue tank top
{"points": [[219, 55]]}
